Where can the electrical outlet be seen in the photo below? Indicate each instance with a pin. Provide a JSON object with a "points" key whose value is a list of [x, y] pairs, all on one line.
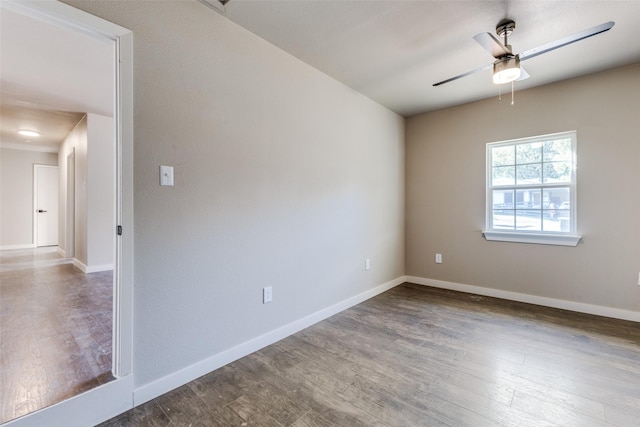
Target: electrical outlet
{"points": [[267, 294], [367, 264], [438, 258]]}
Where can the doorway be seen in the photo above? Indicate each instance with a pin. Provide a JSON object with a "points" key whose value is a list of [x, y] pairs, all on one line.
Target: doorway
{"points": [[104, 401]]}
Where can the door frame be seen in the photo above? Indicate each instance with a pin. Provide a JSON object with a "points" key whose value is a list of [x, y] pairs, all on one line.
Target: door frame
{"points": [[36, 168], [116, 396]]}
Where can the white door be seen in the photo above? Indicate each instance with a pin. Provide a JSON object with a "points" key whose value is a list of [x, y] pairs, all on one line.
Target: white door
{"points": [[46, 205]]}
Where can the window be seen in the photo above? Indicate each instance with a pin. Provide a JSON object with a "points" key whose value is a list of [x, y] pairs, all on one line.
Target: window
{"points": [[531, 190]]}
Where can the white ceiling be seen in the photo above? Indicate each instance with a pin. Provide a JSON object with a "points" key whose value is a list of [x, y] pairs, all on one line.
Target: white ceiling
{"points": [[50, 77], [393, 51]]}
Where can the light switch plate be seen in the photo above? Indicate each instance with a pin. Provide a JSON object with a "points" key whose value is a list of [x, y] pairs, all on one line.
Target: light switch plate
{"points": [[166, 175], [267, 294]]}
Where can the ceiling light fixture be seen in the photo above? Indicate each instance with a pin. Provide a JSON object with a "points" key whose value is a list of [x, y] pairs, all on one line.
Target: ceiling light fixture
{"points": [[506, 70], [29, 133]]}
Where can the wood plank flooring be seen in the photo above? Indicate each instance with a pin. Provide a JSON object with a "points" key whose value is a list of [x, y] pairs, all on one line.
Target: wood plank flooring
{"points": [[419, 356], [55, 330]]}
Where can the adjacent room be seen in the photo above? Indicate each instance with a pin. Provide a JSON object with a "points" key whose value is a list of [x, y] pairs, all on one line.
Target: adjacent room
{"points": [[57, 218], [340, 213]]}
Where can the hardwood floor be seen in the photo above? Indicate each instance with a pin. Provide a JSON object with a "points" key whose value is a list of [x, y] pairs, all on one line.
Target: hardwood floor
{"points": [[55, 330], [419, 356]]}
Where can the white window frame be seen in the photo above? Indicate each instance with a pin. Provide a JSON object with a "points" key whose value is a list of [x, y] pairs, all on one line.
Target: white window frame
{"points": [[563, 238]]}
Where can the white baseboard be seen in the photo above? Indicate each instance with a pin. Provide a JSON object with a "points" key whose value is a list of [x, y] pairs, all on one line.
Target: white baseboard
{"points": [[61, 252], [13, 247], [98, 268], [93, 268], [579, 307], [80, 265], [163, 385]]}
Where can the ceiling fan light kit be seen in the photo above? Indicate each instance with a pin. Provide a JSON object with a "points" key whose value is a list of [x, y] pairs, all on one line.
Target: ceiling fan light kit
{"points": [[506, 70]]}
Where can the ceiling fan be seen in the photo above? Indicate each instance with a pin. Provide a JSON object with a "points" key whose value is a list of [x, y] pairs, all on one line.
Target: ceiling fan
{"points": [[506, 67]]}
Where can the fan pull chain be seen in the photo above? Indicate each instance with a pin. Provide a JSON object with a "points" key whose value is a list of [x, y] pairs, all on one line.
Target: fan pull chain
{"points": [[512, 96], [499, 94]]}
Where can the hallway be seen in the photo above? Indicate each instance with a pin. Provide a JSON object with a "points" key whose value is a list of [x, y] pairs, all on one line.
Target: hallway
{"points": [[55, 329]]}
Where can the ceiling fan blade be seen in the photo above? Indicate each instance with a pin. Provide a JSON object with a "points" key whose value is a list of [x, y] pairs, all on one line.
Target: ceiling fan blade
{"points": [[459, 76], [523, 74], [492, 45], [532, 53]]}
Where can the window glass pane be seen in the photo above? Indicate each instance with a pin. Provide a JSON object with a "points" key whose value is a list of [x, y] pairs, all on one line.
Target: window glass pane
{"points": [[502, 199], [503, 175], [529, 153], [557, 150], [556, 200], [550, 225], [501, 156], [564, 210], [557, 171], [529, 174], [529, 199], [503, 219], [528, 220]]}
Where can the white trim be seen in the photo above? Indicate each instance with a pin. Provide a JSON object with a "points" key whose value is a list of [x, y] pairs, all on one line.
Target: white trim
{"points": [[541, 239], [86, 409], [13, 247], [158, 387], [569, 237], [61, 252], [91, 269], [579, 307], [79, 265], [98, 268]]}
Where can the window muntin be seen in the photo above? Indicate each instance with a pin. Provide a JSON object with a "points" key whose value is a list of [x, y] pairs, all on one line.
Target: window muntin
{"points": [[531, 186]]}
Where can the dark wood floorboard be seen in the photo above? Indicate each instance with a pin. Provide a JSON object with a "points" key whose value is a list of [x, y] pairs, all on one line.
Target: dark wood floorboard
{"points": [[55, 330], [419, 356]]}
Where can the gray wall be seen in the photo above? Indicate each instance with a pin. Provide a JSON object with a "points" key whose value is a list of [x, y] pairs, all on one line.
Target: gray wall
{"points": [[446, 192], [283, 177], [77, 139], [16, 195], [93, 141], [100, 194]]}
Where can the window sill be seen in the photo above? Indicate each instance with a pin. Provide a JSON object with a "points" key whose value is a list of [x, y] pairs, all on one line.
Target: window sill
{"points": [[540, 239]]}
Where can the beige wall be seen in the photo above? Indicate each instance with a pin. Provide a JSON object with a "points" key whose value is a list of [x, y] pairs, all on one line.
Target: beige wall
{"points": [[446, 192], [283, 177], [16, 195]]}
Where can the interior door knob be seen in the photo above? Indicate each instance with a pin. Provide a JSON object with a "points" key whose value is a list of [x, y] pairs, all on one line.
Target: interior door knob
{"points": [[40, 211]]}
